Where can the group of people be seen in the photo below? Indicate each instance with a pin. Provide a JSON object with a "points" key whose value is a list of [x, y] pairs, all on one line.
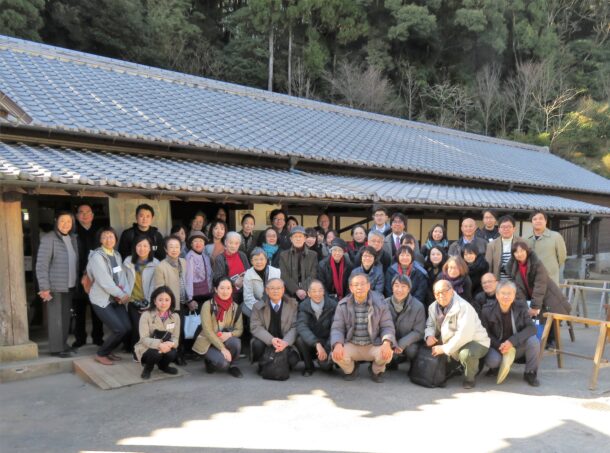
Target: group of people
{"points": [[303, 294]]}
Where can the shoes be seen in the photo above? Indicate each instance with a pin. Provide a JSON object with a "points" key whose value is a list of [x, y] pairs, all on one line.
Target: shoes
{"points": [[62, 354], [78, 344], [531, 379], [209, 368], [351, 376], [103, 360], [169, 370], [392, 366], [468, 384], [375, 377], [235, 372], [180, 361], [146, 372], [507, 362], [307, 372], [114, 358]]}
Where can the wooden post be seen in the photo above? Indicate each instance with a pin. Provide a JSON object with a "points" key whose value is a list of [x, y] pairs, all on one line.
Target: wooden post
{"points": [[14, 336], [581, 238]]}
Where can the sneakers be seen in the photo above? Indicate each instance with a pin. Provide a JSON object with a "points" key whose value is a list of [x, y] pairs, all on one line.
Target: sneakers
{"points": [[169, 370], [507, 362], [235, 372], [531, 379]]}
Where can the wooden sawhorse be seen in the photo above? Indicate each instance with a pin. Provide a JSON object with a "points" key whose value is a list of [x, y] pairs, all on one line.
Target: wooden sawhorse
{"points": [[598, 358]]}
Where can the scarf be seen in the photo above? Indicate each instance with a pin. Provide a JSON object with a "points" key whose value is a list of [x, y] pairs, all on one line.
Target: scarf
{"points": [[355, 246], [441, 312], [338, 276], [222, 306], [234, 264], [432, 243], [399, 305], [270, 250], [163, 316], [457, 283], [317, 308], [523, 272], [402, 270]]}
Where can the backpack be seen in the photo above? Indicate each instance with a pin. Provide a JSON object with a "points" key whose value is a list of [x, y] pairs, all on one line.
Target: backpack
{"points": [[427, 370], [274, 365]]}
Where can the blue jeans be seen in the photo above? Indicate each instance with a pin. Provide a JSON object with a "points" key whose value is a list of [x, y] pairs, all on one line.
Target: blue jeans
{"points": [[115, 317]]}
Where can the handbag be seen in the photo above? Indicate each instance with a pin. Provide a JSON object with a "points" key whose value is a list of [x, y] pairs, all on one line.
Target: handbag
{"points": [[274, 365], [87, 282], [192, 321], [427, 370], [162, 335]]}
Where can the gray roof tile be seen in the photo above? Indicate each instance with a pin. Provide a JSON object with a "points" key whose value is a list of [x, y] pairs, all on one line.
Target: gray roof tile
{"points": [[85, 167], [70, 90]]}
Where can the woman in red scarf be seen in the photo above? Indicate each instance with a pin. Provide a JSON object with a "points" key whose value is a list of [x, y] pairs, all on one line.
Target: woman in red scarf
{"points": [[334, 270], [232, 263], [221, 328]]}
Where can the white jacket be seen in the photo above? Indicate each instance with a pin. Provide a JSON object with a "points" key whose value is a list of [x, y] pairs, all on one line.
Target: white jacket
{"points": [[254, 289], [460, 326], [99, 269], [147, 276]]}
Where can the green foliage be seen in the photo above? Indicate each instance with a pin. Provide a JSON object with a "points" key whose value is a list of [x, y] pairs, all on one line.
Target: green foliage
{"points": [[21, 18]]}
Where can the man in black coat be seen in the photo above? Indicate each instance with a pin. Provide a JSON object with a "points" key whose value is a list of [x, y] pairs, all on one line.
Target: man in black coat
{"points": [[143, 227], [512, 333], [314, 320], [488, 295], [86, 237]]}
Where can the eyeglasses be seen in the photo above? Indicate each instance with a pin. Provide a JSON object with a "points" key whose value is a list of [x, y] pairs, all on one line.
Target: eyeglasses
{"points": [[442, 292]]}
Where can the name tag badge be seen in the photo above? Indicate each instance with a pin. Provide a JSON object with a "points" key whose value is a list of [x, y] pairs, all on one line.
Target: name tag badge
{"points": [[154, 247], [116, 269], [170, 326]]}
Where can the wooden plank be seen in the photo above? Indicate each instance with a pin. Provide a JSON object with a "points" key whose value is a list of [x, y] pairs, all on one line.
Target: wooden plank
{"points": [[123, 373], [557, 330], [578, 319], [599, 352]]}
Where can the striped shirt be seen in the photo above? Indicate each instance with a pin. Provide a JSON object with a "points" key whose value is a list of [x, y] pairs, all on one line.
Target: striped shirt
{"points": [[506, 246], [361, 332]]}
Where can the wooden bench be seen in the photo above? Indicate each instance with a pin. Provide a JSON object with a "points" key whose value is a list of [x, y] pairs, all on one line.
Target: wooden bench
{"points": [[598, 360]]}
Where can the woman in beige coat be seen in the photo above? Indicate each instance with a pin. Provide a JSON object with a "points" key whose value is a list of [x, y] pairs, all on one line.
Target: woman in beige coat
{"points": [[159, 333], [221, 328]]}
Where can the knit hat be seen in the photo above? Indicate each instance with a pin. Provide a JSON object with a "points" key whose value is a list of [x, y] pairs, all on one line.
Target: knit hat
{"points": [[298, 229], [338, 242], [194, 235]]}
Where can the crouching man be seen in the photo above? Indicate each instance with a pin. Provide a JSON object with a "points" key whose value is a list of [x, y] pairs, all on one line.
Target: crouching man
{"points": [[362, 330], [512, 333], [454, 329]]}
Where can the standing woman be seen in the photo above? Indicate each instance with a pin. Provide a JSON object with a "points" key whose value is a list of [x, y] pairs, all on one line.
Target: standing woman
{"points": [[271, 246], [291, 222], [477, 266], [358, 241], [311, 241], [218, 229], [534, 284], [233, 264], [434, 267], [159, 333], [57, 274], [248, 239], [370, 267], [180, 232], [437, 237], [199, 272], [405, 265], [329, 237], [198, 222], [171, 272], [455, 271], [221, 327], [108, 294], [139, 270]]}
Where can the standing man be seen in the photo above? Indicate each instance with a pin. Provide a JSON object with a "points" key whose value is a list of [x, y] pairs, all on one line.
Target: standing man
{"points": [[87, 241], [393, 240], [375, 240], [499, 250], [143, 227], [380, 221], [548, 245], [362, 330], [298, 265], [489, 231], [454, 329], [469, 229]]}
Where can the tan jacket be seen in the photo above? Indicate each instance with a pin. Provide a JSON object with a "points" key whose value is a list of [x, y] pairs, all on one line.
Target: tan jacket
{"points": [[167, 275], [261, 319], [149, 322], [209, 328], [551, 251], [493, 255]]}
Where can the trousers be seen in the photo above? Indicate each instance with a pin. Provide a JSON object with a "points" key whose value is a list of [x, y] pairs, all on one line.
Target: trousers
{"points": [[115, 318]]}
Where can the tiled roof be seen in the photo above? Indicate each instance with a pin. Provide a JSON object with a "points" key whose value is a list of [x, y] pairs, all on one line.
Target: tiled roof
{"points": [[96, 169], [73, 91]]}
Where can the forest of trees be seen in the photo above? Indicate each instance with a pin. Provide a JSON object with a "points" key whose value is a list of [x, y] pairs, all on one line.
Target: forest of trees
{"points": [[531, 70]]}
